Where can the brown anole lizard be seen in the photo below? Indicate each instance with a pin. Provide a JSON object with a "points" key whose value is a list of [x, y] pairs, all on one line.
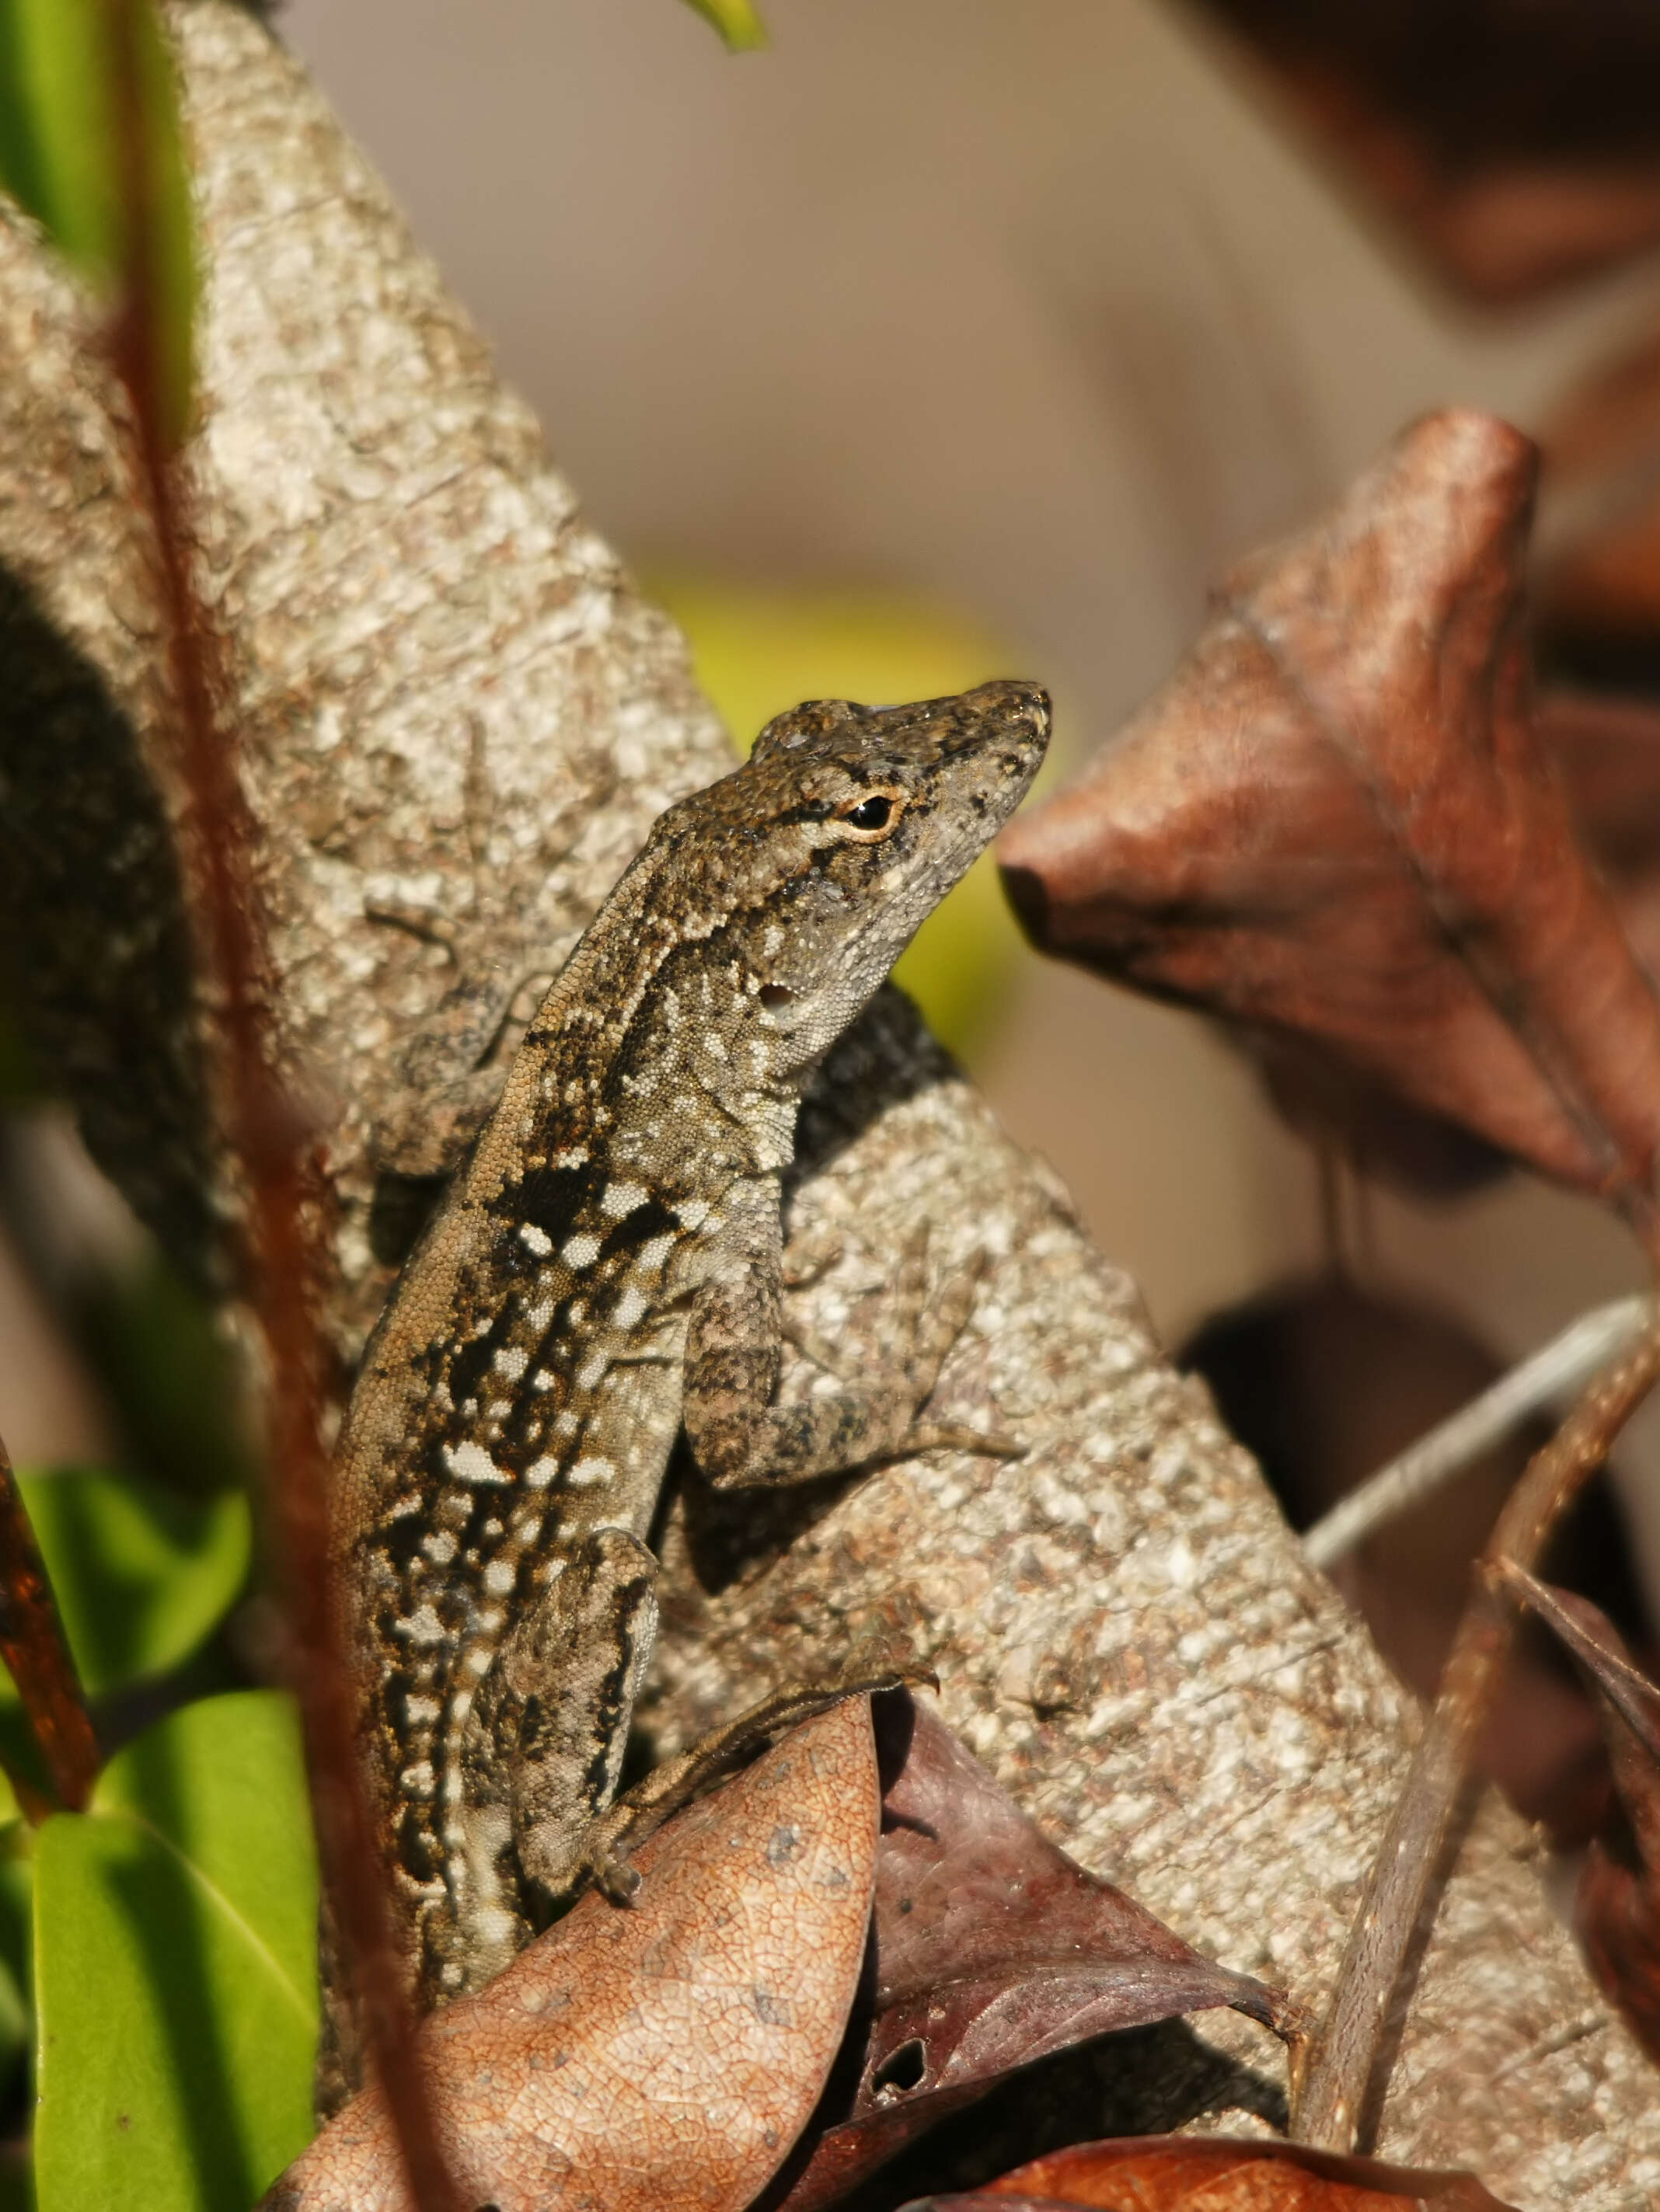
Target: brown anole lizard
{"points": [[606, 1265]]}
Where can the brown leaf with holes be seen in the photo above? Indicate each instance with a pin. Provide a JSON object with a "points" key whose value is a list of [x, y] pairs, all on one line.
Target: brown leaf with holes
{"points": [[1334, 828], [992, 1949], [1516, 147], [1616, 1908], [664, 2054], [1189, 2173]]}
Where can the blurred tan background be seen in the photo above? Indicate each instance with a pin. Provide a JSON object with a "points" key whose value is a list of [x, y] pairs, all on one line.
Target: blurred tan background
{"points": [[1026, 318]]}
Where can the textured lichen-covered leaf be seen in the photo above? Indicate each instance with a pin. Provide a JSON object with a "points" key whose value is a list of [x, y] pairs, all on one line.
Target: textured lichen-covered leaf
{"points": [[665, 2055]]}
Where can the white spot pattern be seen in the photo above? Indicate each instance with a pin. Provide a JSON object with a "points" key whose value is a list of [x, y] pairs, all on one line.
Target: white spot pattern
{"points": [[471, 1463]]}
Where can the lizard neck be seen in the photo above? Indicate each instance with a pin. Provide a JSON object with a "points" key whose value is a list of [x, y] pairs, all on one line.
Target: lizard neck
{"points": [[656, 1052]]}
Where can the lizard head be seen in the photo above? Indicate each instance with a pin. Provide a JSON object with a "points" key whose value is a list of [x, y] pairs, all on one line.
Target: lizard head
{"points": [[844, 829]]}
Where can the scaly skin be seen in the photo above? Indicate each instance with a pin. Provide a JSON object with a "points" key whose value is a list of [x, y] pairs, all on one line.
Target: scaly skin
{"points": [[607, 1266]]}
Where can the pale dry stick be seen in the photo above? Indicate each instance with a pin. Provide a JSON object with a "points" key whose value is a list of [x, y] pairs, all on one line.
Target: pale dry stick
{"points": [[1447, 1450], [1339, 2086]]}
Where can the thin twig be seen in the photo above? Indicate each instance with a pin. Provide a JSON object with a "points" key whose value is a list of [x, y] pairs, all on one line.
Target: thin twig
{"points": [[36, 1653], [283, 1192], [1339, 2090], [1447, 1450]]}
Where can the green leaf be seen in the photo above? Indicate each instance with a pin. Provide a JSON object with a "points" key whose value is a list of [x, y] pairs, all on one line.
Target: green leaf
{"points": [[16, 1906], [142, 1576], [63, 132], [175, 1942], [16, 1915], [735, 20], [173, 1379]]}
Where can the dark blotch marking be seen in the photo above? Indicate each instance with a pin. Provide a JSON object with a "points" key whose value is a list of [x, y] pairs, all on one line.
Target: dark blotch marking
{"points": [[550, 1197], [417, 1846], [651, 1220], [399, 1685], [611, 1705], [398, 1543]]}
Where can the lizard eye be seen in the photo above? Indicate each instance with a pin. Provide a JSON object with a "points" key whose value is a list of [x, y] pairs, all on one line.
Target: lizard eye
{"points": [[872, 817]]}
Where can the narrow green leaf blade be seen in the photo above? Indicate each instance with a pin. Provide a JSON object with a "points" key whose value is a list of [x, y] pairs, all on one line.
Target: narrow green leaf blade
{"points": [[142, 1576], [168, 265], [62, 156], [175, 1977], [57, 154], [736, 20]]}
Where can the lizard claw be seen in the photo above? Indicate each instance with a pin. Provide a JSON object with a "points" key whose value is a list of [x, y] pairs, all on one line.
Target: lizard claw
{"points": [[614, 1875]]}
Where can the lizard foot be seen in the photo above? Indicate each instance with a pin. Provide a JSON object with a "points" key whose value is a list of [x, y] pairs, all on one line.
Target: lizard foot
{"points": [[677, 1782]]}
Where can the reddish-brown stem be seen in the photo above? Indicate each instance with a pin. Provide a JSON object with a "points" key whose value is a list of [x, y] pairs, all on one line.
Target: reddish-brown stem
{"points": [[1339, 2087], [37, 1657], [282, 1193]]}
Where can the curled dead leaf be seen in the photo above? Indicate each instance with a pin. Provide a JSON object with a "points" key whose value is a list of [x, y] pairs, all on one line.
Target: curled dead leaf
{"points": [[1609, 752], [1189, 2173], [1616, 1909], [666, 2054], [1599, 593], [991, 1950], [1334, 828]]}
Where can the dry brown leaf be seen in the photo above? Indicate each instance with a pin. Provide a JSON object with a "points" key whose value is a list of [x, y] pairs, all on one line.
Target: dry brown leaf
{"points": [[993, 1949], [1599, 593], [1185, 2173], [1517, 147], [1609, 752], [1617, 1903], [664, 2054], [1334, 828]]}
